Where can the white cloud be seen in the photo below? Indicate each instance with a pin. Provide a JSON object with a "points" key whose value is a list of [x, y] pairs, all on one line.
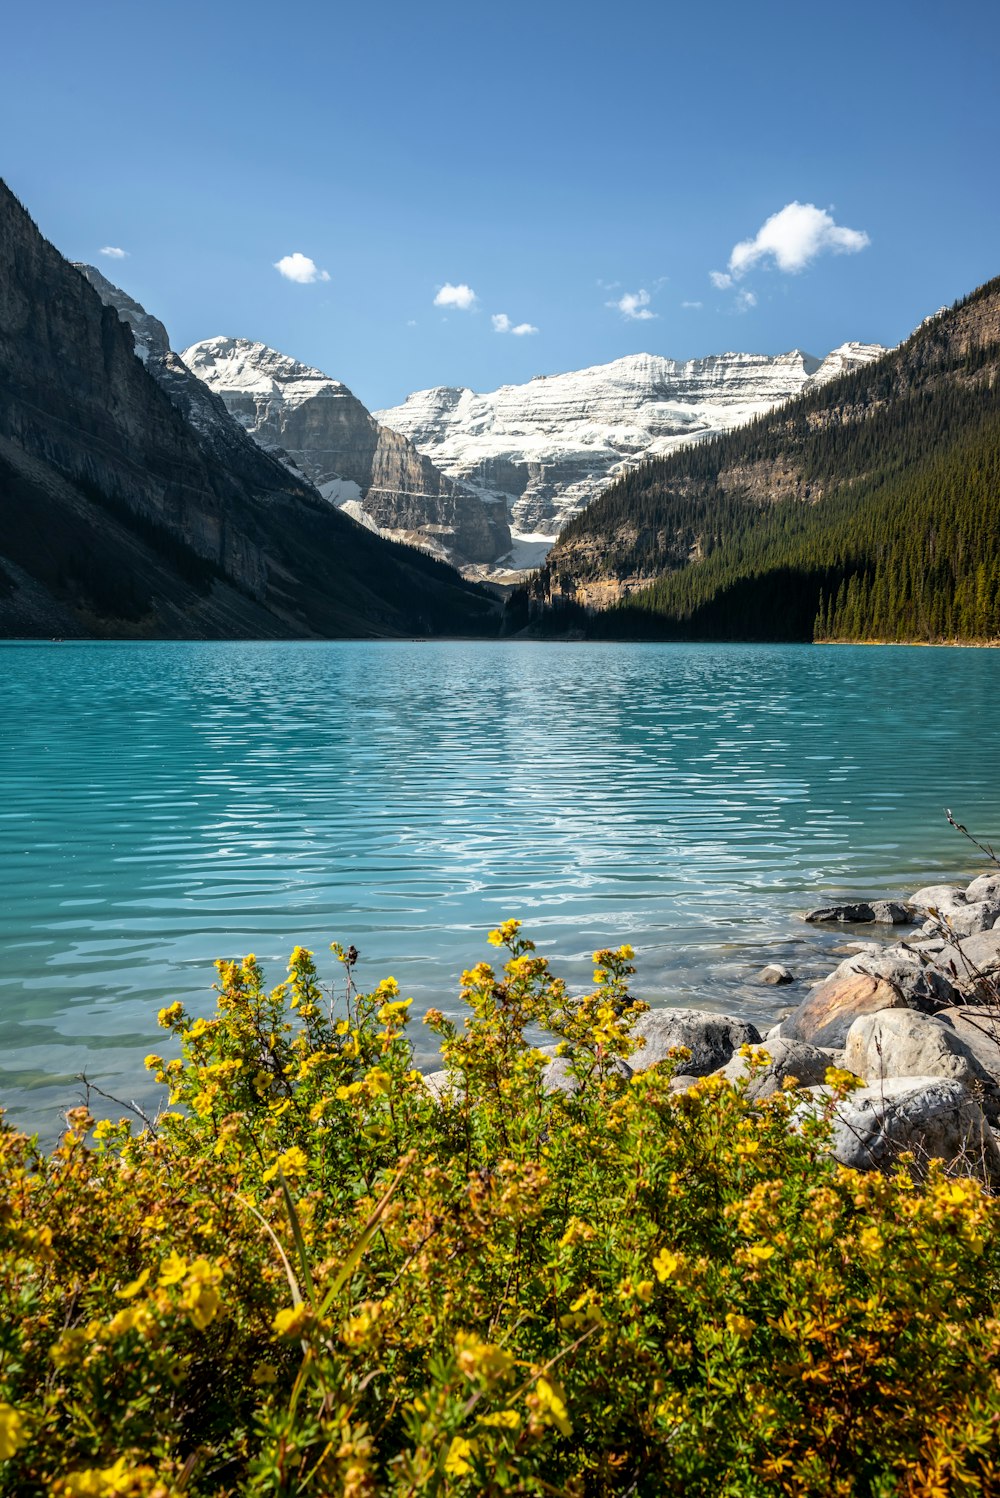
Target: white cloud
{"points": [[720, 279], [463, 297], [113, 252], [502, 324], [745, 299], [693, 305], [793, 237], [634, 305], [301, 269]]}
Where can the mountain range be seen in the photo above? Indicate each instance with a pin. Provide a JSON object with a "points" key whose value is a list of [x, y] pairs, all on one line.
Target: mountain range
{"points": [[547, 448], [132, 504]]}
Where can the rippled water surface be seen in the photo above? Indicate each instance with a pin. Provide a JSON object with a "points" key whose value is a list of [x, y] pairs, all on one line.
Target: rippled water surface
{"points": [[165, 804]]}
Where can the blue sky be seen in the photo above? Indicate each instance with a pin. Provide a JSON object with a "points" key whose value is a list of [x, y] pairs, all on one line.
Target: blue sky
{"points": [[554, 160]]}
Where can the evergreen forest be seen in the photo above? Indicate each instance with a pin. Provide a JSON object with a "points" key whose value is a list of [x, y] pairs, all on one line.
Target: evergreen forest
{"points": [[868, 509]]}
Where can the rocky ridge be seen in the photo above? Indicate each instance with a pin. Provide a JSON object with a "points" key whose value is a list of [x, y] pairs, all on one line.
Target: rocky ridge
{"points": [[131, 505], [547, 448], [374, 474]]}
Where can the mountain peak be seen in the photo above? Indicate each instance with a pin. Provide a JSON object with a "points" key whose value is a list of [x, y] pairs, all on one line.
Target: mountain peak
{"points": [[250, 367]]}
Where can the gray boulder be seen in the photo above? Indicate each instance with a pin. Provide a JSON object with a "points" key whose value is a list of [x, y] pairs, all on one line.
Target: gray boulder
{"points": [[775, 974], [969, 961], [558, 1077], [788, 1058], [934, 1117], [938, 897], [964, 920], [438, 1085], [901, 1043], [711, 1038], [894, 978], [978, 1026], [986, 887]]}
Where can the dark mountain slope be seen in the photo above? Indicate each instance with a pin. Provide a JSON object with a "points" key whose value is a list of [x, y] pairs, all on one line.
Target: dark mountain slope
{"points": [[867, 509], [123, 513]]}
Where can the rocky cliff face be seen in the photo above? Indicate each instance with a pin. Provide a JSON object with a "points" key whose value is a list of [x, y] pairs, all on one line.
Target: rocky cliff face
{"points": [[377, 475], [128, 508], [549, 447]]}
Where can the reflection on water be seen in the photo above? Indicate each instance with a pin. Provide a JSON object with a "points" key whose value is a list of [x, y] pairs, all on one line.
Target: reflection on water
{"points": [[165, 804]]}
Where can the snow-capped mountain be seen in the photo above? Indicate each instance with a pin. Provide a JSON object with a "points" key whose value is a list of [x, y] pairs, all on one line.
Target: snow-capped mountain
{"points": [[549, 447], [373, 473]]}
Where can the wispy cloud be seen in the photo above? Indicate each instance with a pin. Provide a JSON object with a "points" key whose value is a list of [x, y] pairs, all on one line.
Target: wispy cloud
{"points": [[301, 269], [745, 299], [502, 324], [720, 279], [461, 296], [113, 252], [634, 306], [695, 306], [791, 238]]}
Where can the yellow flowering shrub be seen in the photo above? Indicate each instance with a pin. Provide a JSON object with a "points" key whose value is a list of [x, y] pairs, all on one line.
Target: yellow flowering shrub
{"points": [[313, 1276]]}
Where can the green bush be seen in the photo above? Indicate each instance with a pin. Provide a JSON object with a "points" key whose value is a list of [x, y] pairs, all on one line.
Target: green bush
{"points": [[313, 1276]]}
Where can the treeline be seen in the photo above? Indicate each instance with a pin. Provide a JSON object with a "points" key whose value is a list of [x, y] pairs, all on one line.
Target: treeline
{"points": [[889, 528], [913, 557]]}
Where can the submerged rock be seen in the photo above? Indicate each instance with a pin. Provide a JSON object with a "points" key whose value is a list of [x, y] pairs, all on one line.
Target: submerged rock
{"points": [[775, 974], [864, 912]]}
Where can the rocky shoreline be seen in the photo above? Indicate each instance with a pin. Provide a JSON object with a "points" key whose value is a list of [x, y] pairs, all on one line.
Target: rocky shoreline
{"points": [[917, 1021]]}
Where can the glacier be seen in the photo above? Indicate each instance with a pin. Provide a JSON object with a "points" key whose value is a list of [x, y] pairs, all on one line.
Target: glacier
{"points": [[548, 447]]}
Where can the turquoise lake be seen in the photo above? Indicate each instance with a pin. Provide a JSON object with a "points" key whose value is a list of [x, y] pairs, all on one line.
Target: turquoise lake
{"points": [[166, 804]]}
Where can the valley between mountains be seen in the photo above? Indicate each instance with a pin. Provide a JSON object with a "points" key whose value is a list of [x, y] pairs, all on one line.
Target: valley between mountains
{"points": [[231, 491]]}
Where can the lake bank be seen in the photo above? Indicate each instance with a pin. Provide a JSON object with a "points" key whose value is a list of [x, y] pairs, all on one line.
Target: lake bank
{"points": [[169, 804]]}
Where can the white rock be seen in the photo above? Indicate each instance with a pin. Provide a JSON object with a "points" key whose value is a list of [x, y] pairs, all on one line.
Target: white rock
{"points": [[938, 897], [986, 887], [903, 1043]]}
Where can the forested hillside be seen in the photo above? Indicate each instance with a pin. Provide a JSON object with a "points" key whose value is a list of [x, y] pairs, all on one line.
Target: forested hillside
{"points": [[869, 509]]}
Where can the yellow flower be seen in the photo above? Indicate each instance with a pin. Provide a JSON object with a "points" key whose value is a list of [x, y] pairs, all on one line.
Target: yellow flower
{"points": [[502, 1420], [551, 1399], [665, 1264], [740, 1326], [70, 1347], [294, 1162], [479, 1359], [456, 1463], [761, 1252], [748, 1146], [200, 1298], [265, 1373], [172, 1270], [396, 1010], [11, 1431], [292, 1321], [134, 1286]]}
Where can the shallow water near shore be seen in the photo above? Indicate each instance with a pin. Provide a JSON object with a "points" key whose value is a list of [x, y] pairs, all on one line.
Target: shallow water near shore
{"points": [[165, 804]]}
